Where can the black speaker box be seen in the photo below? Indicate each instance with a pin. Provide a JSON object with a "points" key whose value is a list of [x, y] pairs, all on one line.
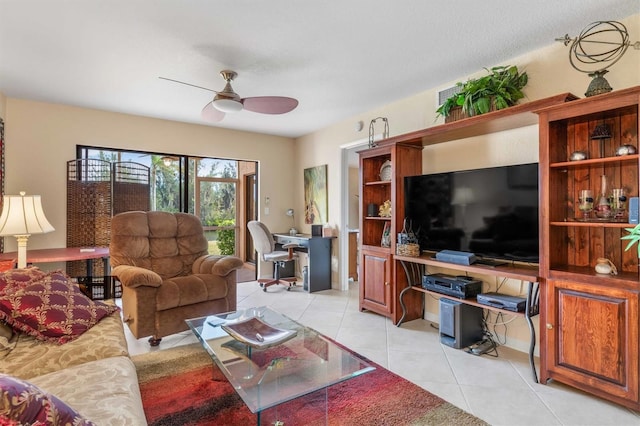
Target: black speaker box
{"points": [[460, 324], [316, 230]]}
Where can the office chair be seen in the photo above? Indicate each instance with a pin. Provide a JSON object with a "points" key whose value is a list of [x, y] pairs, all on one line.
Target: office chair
{"points": [[265, 246]]}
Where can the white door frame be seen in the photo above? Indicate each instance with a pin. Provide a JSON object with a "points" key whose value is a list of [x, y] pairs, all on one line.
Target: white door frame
{"points": [[359, 144]]}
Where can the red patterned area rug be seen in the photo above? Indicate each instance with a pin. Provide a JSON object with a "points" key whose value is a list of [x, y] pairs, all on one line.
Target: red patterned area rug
{"points": [[181, 386]]}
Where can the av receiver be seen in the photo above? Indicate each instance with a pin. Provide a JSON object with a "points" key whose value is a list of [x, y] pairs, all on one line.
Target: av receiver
{"points": [[462, 287], [503, 301]]}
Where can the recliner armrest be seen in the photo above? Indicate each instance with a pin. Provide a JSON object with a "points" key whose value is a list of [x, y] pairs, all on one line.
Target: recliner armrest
{"points": [[134, 276], [216, 264]]}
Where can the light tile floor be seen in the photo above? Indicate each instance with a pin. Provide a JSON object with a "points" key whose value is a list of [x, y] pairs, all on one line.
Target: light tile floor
{"points": [[499, 390]]}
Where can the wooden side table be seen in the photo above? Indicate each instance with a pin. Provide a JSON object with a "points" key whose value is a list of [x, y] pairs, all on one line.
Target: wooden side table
{"points": [[67, 254]]}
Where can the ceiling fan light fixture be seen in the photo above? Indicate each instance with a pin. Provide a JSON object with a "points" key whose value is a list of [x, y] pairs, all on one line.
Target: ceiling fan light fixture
{"points": [[227, 105]]}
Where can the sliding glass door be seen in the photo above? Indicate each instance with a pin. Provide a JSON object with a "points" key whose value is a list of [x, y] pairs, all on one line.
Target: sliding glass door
{"points": [[215, 189]]}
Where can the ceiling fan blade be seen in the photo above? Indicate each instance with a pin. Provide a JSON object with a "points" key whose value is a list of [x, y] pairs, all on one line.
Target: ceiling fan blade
{"points": [[209, 113], [188, 84], [270, 104]]}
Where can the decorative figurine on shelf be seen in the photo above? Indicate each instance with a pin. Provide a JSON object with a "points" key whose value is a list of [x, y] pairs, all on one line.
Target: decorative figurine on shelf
{"points": [[603, 204], [626, 150], [598, 46], [605, 266], [385, 132], [385, 241], [385, 209], [578, 156], [601, 133]]}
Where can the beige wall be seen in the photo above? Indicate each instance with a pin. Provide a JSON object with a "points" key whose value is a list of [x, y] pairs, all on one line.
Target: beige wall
{"points": [[3, 105], [549, 73], [41, 138]]}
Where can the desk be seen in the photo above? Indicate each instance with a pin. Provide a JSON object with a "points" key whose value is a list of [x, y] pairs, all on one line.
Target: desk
{"points": [[69, 254], [319, 251]]}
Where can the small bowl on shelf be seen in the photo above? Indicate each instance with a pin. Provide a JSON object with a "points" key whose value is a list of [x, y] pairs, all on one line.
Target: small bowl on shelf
{"points": [[626, 150], [578, 156]]}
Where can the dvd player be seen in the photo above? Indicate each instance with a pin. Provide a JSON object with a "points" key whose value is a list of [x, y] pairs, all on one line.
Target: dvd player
{"points": [[462, 286], [503, 301]]}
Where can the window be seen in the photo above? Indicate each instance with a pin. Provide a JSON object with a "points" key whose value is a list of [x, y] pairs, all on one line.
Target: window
{"points": [[206, 187]]}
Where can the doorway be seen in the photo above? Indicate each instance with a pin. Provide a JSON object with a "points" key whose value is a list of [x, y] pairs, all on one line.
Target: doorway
{"points": [[350, 212], [251, 213]]}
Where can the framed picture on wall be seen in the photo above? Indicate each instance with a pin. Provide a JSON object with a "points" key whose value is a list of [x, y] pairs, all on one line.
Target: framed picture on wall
{"points": [[315, 195]]}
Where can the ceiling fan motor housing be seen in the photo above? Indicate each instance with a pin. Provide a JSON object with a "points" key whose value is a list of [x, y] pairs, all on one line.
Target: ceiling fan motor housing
{"points": [[227, 100]]}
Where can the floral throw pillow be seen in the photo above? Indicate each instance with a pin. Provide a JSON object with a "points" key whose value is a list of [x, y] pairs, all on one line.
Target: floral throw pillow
{"points": [[23, 403], [52, 309], [17, 279]]}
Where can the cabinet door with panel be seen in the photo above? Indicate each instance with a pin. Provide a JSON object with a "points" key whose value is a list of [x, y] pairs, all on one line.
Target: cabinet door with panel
{"points": [[375, 283], [592, 338]]}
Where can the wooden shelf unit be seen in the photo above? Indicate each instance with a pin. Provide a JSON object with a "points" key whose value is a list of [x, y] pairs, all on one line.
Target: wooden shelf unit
{"points": [[381, 281], [377, 285], [589, 322]]}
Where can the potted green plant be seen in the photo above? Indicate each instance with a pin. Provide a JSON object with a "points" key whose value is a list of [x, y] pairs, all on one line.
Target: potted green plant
{"points": [[633, 237], [501, 88]]}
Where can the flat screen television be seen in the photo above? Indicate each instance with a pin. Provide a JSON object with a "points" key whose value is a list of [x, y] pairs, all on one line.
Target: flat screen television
{"points": [[491, 212]]}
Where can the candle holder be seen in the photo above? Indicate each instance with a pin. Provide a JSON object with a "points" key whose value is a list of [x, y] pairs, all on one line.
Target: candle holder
{"points": [[600, 133]]}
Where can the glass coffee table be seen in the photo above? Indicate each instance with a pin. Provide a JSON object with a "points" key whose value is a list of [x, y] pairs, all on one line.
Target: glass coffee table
{"points": [[273, 359]]}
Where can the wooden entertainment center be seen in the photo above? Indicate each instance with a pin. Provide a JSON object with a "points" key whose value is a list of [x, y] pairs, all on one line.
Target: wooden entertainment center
{"points": [[589, 323]]}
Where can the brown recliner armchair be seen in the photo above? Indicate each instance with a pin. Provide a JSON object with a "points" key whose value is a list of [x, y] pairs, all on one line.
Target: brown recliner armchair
{"points": [[167, 275]]}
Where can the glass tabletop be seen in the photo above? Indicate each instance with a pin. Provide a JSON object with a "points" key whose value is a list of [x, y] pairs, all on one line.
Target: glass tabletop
{"points": [[266, 373]]}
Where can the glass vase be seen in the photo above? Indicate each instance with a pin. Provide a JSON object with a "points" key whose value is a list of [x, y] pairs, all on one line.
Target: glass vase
{"points": [[603, 202]]}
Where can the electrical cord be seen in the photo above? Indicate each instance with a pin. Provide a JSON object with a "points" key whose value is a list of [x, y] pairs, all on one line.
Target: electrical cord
{"points": [[487, 340], [509, 321], [499, 286], [499, 316]]}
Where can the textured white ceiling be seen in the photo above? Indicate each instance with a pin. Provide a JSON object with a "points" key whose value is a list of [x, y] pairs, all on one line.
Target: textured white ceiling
{"points": [[338, 58]]}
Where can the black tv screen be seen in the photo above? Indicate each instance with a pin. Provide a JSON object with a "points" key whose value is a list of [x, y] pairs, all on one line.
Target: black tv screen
{"points": [[490, 212]]}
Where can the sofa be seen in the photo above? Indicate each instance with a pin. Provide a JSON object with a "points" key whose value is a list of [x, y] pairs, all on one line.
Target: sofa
{"points": [[90, 373], [167, 276]]}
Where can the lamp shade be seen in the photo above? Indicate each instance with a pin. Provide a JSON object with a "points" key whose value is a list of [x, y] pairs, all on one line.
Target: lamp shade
{"points": [[462, 196], [23, 215]]}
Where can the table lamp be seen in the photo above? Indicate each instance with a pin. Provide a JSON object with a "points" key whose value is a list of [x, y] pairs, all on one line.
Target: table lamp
{"points": [[22, 215], [293, 230]]}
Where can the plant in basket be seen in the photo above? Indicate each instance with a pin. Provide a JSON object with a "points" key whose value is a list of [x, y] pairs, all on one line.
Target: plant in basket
{"points": [[501, 88]]}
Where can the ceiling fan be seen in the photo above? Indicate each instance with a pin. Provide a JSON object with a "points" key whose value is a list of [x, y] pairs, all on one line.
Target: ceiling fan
{"points": [[228, 101]]}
